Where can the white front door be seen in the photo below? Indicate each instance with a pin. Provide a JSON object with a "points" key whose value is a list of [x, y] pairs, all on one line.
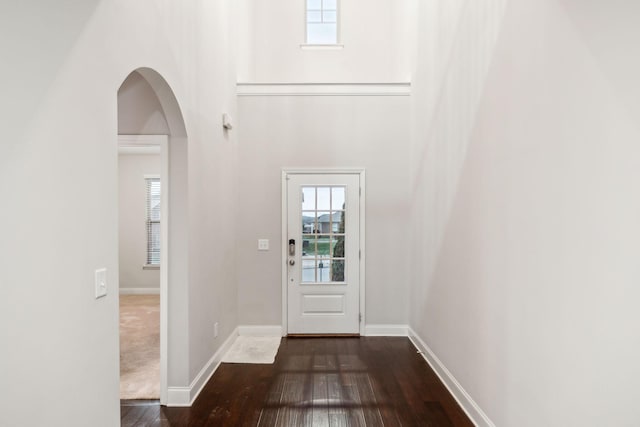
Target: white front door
{"points": [[322, 256]]}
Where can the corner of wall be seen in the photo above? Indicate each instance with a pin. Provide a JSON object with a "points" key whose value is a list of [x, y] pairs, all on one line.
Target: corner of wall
{"points": [[466, 402], [185, 396]]}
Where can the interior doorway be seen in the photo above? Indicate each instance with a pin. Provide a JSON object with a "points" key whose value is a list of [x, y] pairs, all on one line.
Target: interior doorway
{"points": [[150, 120], [140, 223], [323, 219]]}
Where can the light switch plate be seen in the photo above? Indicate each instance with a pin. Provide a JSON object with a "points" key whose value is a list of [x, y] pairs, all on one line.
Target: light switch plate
{"points": [[263, 244], [101, 283]]}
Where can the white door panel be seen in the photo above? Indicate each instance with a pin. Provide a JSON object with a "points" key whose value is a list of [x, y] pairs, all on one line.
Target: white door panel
{"points": [[323, 266]]}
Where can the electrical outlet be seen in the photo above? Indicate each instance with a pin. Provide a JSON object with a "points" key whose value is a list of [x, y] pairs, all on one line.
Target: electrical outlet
{"points": [[215, 330], [101, 283], [263, 244]]}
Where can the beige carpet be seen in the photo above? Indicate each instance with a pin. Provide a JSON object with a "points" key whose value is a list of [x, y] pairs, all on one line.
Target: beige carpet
{"points": [[139, 346]]}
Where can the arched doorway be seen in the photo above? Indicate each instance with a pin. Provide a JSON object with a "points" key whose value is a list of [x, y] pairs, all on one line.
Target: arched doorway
{"points": [[150, 121]]}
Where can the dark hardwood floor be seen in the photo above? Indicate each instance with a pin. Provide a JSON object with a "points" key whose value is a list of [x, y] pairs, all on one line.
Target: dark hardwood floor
{"points": [[368, 381]]}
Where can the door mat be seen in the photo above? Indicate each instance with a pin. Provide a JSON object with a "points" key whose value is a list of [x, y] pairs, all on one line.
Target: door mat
{"points": [[253, 350]]}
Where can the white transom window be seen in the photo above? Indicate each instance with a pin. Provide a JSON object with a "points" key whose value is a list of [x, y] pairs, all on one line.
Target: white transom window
{"points": [[322, 22]]}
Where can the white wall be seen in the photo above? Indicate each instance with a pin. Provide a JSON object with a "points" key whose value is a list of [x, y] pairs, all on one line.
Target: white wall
{"points": [[323, 132], [375, 34], [132, 242], [524, 282], [63, 64]]}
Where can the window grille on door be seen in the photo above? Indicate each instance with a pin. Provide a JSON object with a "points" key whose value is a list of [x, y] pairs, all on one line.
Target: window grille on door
{"points": [[323, 234]]}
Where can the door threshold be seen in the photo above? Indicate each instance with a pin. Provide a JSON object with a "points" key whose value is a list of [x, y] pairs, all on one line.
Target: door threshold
{"points": [[139, 402], [323, 335]]}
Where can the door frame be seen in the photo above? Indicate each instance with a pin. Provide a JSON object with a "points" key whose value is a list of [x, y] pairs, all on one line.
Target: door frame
{"points": [[157, 144], [285, 225]]}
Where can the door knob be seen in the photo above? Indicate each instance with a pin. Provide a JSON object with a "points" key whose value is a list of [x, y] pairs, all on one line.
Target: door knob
{"points": [[292, 261]]}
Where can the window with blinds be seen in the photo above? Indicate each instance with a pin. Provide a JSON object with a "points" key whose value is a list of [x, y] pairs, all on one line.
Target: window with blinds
{"points": [[322, 22], [153, 221]]}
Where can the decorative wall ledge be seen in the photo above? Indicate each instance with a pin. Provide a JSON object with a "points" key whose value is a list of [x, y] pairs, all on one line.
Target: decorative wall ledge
{"points": [[324, 89]]}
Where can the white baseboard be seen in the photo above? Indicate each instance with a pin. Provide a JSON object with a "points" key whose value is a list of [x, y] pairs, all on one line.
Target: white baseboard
{"points": [[260, 331], [473, 411], [178, 396], [386, 330], [139, 291], [185, 396]]}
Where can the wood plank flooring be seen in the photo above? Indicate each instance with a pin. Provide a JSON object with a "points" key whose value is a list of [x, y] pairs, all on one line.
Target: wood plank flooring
{"points": [[368, 381]]}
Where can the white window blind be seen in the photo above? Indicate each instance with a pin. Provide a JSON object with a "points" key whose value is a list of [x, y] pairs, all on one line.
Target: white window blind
{"points": [[153, 221], [322, 21]]}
